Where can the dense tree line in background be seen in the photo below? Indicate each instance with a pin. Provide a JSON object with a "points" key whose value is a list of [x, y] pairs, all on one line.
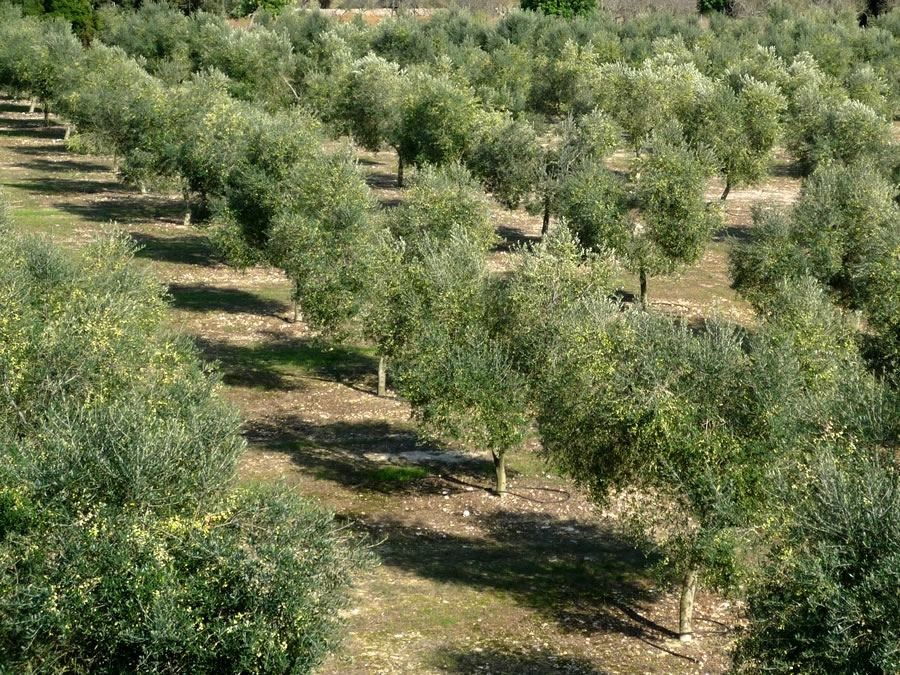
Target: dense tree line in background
{"points": [[730, 445]]}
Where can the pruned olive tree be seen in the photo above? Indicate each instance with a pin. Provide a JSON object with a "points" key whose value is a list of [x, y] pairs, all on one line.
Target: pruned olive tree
{"points": [[438, 120], [657, 223], [457, 375], [740, 127]]}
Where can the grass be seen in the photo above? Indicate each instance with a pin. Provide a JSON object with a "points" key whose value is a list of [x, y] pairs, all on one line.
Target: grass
{"points": [[397, 475]]}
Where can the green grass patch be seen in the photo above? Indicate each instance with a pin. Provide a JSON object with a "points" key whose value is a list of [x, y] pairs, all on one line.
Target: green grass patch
{"points": [[397, 474]]}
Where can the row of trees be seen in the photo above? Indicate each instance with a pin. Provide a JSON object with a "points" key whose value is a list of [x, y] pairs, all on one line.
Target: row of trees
{"points": [[696, 423]]}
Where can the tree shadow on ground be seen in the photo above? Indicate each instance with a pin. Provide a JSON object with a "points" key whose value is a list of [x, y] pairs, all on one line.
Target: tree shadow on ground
{"points": [[511, 239], [382, 180], [203, 298], [580, 575], [280, 364], [732, 234], [62, 165], [375, 456], [29, 129], [191, 249], [129, 208], [70, 186], [40, 150], [12, 105], [504, 661]]}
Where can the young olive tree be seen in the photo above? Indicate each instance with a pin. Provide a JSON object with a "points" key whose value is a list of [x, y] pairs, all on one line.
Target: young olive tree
{"points": [[438, 120], [456, 374], [675, 223], [369, 104], [658, 226], [320, 237], [740, 128]]}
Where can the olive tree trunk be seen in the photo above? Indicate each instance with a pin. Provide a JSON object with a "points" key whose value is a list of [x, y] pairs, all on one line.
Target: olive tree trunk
{"points": [[500, 469], [31, 106], [68, 132], [399, 170], [545, 226], [46, 114], [686, 607], [643, 281], [727, 190], [186, 197], [382, 376]]}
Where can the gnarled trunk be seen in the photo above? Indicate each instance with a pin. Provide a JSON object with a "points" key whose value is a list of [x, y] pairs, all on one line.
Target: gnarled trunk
{"points": [[68, 132], [46, 114], [500, 470], [31, 106], [686, 607], [382, 376]]}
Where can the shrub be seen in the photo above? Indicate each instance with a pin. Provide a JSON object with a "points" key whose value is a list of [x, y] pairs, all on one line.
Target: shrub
{"points": [[827, 597], [123, 545], [565, 8], [253, 584]]}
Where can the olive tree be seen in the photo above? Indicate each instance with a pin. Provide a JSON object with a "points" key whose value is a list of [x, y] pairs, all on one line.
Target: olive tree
{"points": [[320, 236], [438, 120], [827, 127], [111, 96], [456, 374], [826, 599], [573, 145], [643, 99], [842, 232], [657, 224], [739, 127], [368, 105], [443, 202], [506, 157], [36, 56], [118, 511]]}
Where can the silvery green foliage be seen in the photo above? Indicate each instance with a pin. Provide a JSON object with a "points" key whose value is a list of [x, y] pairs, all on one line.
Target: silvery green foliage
{"points": [[124, 545]]}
